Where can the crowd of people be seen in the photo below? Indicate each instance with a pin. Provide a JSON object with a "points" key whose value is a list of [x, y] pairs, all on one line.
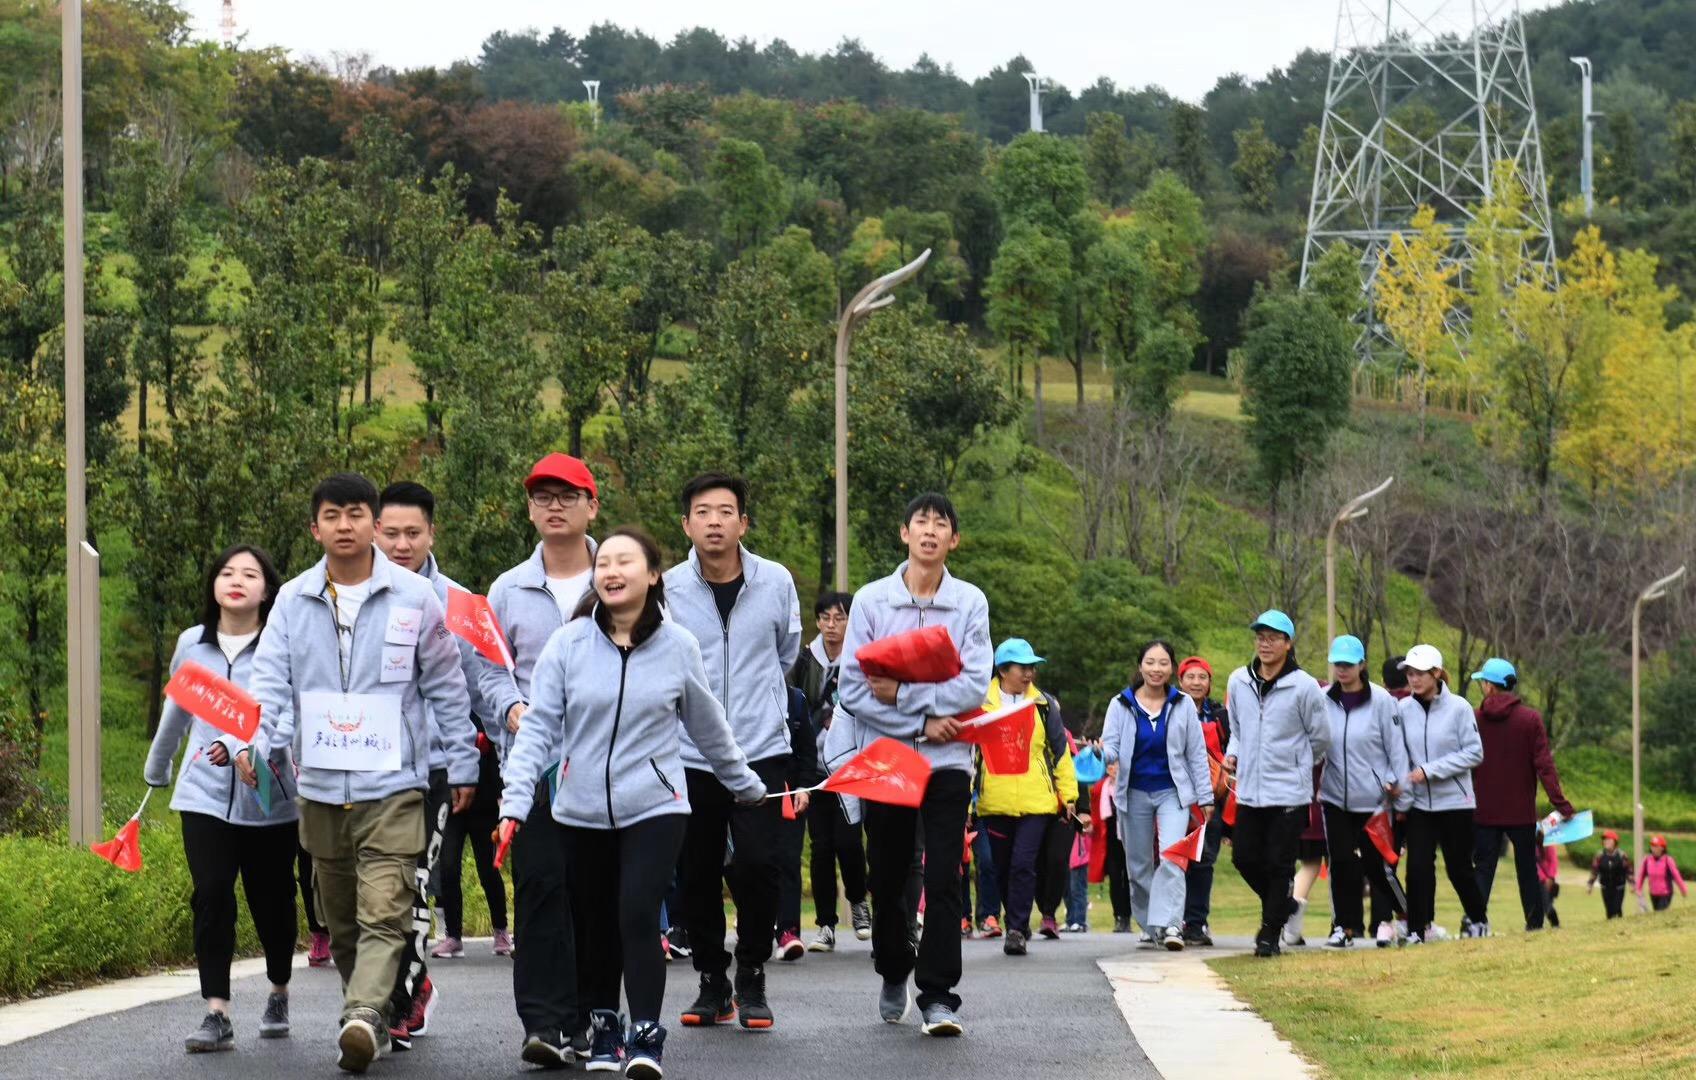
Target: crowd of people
{"points": [[633, 747]]}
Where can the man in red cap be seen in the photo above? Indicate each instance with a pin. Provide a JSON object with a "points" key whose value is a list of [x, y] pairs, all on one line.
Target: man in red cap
{"points": [[531, 601], [1195, 678]]}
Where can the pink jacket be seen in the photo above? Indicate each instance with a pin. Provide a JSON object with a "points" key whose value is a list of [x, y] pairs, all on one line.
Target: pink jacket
{"points": [[1548, 865], [1662, 873]]}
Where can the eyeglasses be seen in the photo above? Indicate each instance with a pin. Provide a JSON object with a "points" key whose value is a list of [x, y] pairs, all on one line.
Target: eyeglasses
{"points": [[833, 618], [548, 500]]}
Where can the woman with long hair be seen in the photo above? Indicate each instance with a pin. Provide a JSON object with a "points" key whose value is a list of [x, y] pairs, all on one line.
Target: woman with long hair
{"points": [[1153, 733], [227, 830], [608, 691]]}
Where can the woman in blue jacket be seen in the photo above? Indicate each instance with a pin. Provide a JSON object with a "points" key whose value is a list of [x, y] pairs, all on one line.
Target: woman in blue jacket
{"points": [[226, 830], [607, 694]]}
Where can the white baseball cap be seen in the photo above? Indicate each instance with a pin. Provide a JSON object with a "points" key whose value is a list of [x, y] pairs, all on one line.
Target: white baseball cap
{"points": [[1422, 658]]}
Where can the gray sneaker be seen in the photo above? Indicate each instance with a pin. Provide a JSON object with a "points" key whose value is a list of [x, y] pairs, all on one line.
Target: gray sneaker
{"points": [[214, 1033], [359, 1044], [861, 914], [941, 1022], [275, 1023], [894, 1002], [824, 940]]}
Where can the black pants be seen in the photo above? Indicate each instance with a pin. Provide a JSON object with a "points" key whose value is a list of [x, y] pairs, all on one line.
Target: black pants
{"points": [[1118, 875], [1016, 844], [1053, 869], [1452, 830], [791, 840], [413, 970], [1198, 878], [619, 878], [1487, 852], [836, 842], [476, 824], [753, 874], [891, 836], [305, 863], [1613, 900], [1552, 892], [264, 857], [1263, 849], [1354, 856], [1660, 903], [544, 965]]}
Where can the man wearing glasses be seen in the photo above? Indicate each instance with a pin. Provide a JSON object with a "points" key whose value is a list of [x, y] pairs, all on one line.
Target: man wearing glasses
{"points": [[531, 601]]}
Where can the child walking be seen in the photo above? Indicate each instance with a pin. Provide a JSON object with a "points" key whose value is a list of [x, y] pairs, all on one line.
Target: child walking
{"points": [[1661, 872], [1548, 872], [1611, 867]]}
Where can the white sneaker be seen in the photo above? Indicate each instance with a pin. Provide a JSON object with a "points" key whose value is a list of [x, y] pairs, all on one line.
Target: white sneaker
{"points": [[1386, 935], [1173, 938], [1292, 928], [1339, 939], [1475, 930], [1435, 933]]}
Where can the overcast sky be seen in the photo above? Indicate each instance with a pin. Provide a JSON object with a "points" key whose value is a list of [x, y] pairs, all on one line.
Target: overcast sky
{"points": [[1182, 45]]}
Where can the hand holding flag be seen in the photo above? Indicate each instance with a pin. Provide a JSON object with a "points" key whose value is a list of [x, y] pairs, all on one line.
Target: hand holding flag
{"points": [[214, 699], [503, 837]]}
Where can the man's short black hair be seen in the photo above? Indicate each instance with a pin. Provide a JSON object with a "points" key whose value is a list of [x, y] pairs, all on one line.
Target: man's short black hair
{"points": [[937, 504], [713, 481], [407, 493], [1394, 677], [831, 600], [345, 489]]}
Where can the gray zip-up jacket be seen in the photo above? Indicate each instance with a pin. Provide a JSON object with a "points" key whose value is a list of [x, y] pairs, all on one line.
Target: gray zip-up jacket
{"points": [[747, 658], [202, 787], [885, 607], [1443, 740], [299, 653], [1278, 730], [467, 662], [1366, 753], [528, 615], [609, 719], [1186, 748]]}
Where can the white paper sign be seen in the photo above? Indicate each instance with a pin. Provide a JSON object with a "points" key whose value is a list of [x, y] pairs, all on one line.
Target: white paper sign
{"points": [[397, 663], [350, 732], [403, 627]]}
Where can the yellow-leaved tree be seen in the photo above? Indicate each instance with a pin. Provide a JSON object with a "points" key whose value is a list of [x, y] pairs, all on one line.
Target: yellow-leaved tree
{"points": [[1415, 297]]}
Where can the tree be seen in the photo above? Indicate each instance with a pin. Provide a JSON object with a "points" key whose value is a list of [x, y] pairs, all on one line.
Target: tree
{"points": [[377, 176], [1189, 145], [32, 535], [1107, 157], [791, 258], [1025, 289], [1256, 168], [1416, 294], [585, 304], [1621, 164], [1683, 144], [1041, 180], [428, 230], [749, 190]]}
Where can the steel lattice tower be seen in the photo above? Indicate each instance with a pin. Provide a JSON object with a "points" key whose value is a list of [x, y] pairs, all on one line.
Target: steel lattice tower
{"points": [[1425, 97]]}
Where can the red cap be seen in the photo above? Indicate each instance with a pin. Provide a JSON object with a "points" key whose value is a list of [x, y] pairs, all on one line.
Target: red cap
{"points": [[1194, 662], [564, 468], [1609, 834], [1654, 840]]}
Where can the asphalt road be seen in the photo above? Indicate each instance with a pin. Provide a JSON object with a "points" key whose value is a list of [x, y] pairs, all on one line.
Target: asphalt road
{"points": [[1048, 1014]]}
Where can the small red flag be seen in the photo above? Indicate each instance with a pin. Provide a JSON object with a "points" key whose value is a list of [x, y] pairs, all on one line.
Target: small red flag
{"points": [[788, 804], [1187, 850], [886, 771], [1383, 837], [1230, 811], [925, 655], [124, 849], [470, 616], [504, 834], [1004, 736], [214, 699]]}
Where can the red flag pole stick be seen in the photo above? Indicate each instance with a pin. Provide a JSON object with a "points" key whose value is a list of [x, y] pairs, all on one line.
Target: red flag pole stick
{"points": [[143, 805]]}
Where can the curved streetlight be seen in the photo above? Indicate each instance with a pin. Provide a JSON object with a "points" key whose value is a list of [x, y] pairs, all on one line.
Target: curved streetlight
{"points": [[1653, 592], [869, 299], [1353, 510]]}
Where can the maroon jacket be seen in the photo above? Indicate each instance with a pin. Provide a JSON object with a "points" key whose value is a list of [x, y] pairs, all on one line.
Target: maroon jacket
{"points": [[1516, 756]]}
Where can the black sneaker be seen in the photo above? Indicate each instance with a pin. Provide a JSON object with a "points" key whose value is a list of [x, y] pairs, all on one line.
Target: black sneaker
{"points": [[642, 1052], [1197, 935], [713, 1005], [861, 915], [1014, 945], [606, 1042], [214, 1033], [751, 1007], [274, 1024], [1266, 941], [548, 1049], [580, 1045], [1122, 926], [678, 939]]}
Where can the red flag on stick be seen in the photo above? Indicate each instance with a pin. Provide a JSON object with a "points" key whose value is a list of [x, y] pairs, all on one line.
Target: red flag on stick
{"points": [[1230, 811], [1382, 835], [1187, 850], [788, 804], [124, 849], [925, 655], [504, 835], [885, 772], [470, 616], [214, 699], [1004, 736]]}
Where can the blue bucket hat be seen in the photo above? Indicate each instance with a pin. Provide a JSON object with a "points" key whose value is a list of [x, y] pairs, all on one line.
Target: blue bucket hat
{"points": [[1496, 670], [1347, 649], [1016, 650], [1275, 620]]}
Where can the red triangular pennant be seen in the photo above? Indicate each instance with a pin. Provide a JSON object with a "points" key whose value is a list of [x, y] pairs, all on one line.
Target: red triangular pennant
{"points": [[1187, 850], [788, 804], [1003, 735], [925, 655], [886, 771], [1229, 814], [214, 699], [504, 835], [470, 616], [1383, 837], [124, 849]]}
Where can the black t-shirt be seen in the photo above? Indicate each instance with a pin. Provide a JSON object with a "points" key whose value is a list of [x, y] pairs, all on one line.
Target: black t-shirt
{"points": [[724, 592]]}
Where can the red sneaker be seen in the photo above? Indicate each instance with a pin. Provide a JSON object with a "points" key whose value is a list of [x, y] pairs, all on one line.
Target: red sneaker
{"points": [[790, 947], [319, 954], [1050, 929], [990, 927], [423, 1004], [965, 926]]}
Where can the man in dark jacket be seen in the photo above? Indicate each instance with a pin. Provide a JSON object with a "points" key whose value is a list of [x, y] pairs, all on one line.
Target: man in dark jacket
{"points": [[1516, 757]]}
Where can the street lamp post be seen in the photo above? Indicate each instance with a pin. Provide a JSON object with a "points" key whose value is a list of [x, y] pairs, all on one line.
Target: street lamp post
{"points": [[593, 86], [1586, 169], [1653, 592], [1352, 510], [867, 300]]}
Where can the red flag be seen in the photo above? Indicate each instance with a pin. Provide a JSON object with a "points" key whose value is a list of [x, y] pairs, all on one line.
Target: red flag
{"points": [[886, 771], [1382, 835], [925, 655], [1004, 736], [124, 849], [1230, 811], [214, 699], [788, 804], [1187, 850], [504, 834], [471, 617]]}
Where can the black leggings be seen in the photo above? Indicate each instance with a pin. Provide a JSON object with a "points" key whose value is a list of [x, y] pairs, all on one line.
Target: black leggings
{"points": [[264, 857], [1453, 831], [618, 879], [305, 862], [476, 824], [835, 843]]}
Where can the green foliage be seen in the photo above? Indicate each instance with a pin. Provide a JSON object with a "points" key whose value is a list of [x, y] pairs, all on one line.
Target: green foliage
{"points": [[1670, 711], [1025, 286], [791, 257], [1189, 141], [1107, 157], [749, 189], [32, 536], [1297, 357], [1256, 168], [1040, 180]]}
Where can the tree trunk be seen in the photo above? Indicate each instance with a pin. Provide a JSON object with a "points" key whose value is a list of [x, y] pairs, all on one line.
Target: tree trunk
{"points": [[155, 685], [827, 542], [141, 412], [1037, 368], [576, 435], [1078, 374], [370, 355], [32, 649]]}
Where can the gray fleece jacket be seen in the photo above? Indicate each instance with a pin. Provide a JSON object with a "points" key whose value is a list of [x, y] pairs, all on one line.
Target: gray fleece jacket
{"points": [[1278, 730], [1366, 752], [467, 662], [886, 607], [202, 787], [609, 719], [748, 658], [400, 622], [1443, 740], [1186, 748]]}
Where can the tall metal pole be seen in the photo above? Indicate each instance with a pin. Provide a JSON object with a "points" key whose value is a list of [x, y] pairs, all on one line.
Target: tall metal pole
{"points": [[866, 301], [1653, 592], [594, 88], [1586, 168], [1036, 86], [82, 574], [1352, 510]]}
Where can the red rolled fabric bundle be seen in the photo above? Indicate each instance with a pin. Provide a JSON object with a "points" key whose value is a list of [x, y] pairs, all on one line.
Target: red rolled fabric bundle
{"points": [[925, 655]]}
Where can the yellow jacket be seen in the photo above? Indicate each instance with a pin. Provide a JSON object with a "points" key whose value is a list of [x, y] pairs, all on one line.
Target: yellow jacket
{"points": [[1034, 790]]}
